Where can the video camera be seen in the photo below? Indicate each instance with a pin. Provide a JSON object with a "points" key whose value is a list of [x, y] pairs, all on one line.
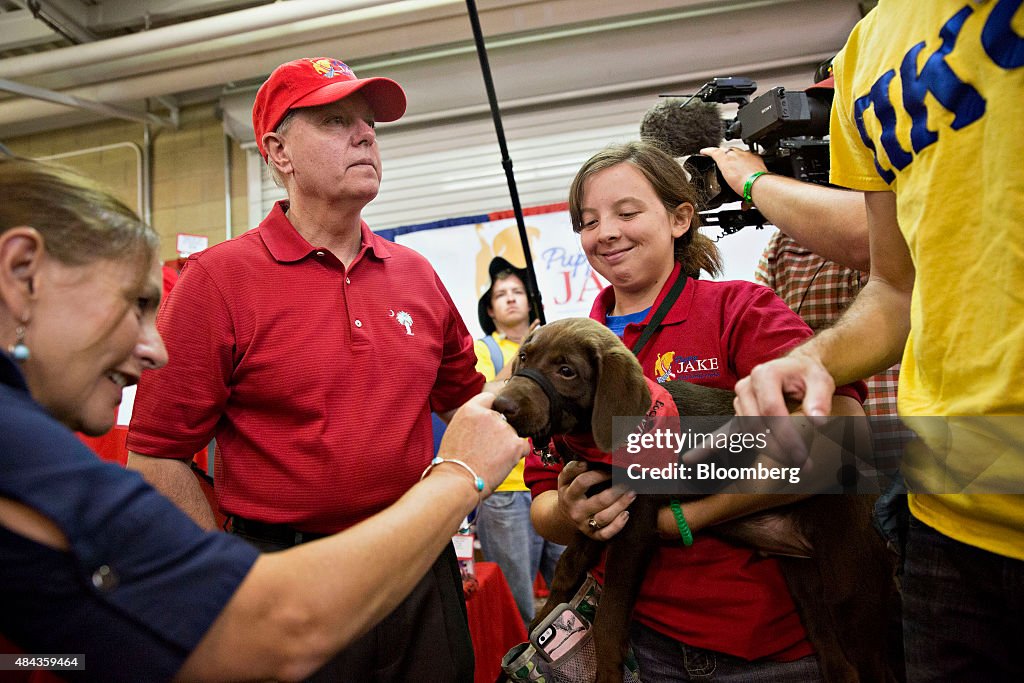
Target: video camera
{"points": [[786, 128]]}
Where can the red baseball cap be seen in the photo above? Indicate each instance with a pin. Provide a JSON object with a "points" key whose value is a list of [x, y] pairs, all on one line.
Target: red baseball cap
{"points": [[311, 82], [826, 85]]}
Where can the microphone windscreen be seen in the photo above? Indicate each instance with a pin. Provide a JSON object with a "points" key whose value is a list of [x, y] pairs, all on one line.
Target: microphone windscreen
{"points": [[683, 130]]}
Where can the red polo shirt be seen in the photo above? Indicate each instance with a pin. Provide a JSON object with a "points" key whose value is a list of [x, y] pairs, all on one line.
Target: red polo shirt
{"points": [[316, 381], [714, 594]]}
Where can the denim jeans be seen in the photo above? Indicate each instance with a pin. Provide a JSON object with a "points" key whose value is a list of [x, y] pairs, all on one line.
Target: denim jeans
{"points": [[507, 537], [664, 660], [963, 611], [891, 516]]}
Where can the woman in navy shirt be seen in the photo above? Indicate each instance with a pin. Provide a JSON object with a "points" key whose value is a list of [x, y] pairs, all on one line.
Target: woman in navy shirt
{"points": [[98, 564]]}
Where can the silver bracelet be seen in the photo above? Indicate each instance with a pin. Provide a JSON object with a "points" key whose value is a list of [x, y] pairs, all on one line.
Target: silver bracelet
{"points": [[478, 481]]}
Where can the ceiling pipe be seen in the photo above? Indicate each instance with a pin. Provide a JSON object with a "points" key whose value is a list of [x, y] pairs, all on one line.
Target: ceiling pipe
{"points": [[148, 85], [612, 90], [57, 21], [66, 100], [189, 33], [195, 76], [243, 67]]}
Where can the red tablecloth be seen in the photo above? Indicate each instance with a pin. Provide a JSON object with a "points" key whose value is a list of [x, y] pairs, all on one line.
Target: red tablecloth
{"points": [[494, 621]]}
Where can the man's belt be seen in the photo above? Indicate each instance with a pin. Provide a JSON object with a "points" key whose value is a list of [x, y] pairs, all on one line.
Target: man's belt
{"points": [[280, 534]]}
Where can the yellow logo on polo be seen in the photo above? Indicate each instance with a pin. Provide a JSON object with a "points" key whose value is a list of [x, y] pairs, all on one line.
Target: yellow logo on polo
{"points": [[663, 367]]}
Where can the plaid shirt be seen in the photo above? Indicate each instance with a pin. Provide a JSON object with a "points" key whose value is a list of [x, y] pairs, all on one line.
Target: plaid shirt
{"points": [[820, 291]]}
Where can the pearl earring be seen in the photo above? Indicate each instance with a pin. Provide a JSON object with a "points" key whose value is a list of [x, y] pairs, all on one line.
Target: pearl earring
{"points": [[19, 351]]}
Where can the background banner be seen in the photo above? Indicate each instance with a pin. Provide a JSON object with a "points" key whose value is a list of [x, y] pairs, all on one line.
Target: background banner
{"points": [[461, 248]]}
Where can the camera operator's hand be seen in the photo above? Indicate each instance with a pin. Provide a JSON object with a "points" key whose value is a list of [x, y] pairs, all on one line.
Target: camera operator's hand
{"points": [[735, 164], [830, 221]]}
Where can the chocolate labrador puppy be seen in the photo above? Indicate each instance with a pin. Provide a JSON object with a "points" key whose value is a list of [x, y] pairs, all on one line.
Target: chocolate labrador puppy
{"points": [[572, 377]]}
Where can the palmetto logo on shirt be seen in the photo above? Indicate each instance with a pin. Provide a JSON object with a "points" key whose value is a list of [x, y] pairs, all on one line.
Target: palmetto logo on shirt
{"points": [[405, 320]]}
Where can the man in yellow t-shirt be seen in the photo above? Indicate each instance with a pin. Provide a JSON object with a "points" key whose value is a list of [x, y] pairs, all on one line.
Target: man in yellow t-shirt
{"points": [[925, 122], [503, 521]]}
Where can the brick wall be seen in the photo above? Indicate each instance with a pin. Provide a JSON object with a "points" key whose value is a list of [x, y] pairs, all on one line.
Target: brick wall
{"points": [[187, 171]]}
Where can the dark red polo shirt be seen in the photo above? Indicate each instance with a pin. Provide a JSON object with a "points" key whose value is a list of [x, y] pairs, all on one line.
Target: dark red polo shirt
{"points": [[317, 382], [714, 594]]}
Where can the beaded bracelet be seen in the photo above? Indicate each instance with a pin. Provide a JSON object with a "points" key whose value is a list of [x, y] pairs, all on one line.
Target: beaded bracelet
{"points": [[478, 481], [748, 186], [684, 528]]}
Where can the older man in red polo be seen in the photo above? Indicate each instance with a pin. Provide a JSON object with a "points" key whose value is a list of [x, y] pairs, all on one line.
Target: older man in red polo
{"points": [[314, 351]]}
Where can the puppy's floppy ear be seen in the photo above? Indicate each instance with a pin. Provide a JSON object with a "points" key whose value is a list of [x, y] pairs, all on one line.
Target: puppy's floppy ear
{"points": [[621, 391]]}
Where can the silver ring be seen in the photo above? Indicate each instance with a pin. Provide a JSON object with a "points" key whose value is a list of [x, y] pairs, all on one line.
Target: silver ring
{"points": [[594, 524]]}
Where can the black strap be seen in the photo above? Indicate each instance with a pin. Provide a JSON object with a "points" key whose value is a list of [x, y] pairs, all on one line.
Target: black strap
{"points": [[554, 398], [659, 315]]}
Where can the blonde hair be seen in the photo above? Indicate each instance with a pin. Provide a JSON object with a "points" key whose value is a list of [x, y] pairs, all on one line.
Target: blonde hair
{"points": [[694, 250], [80, 221]]}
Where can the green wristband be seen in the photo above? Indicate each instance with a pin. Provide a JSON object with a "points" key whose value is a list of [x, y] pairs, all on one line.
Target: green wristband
{"points": [[749, 185], [684, 528]]}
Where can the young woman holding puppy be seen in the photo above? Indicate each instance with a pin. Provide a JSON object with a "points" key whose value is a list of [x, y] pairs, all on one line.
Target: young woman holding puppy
{"points": [[712, 607]]}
